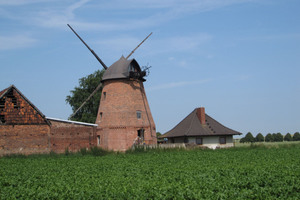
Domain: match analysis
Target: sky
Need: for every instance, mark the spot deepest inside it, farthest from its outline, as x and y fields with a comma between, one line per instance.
x=240, y=59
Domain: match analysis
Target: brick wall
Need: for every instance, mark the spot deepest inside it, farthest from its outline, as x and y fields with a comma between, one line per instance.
x=71, y=136
x=24, y=139
x=117, y=116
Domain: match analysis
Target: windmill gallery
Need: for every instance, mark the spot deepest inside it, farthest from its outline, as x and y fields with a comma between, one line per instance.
x=124, y=118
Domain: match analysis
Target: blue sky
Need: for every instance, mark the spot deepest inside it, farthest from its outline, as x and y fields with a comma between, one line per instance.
x=240, y=59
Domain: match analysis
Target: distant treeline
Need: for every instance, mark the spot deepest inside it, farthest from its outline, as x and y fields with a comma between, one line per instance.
x=275, y=137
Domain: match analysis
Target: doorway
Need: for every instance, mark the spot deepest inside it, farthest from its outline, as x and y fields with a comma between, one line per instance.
x=140, y=134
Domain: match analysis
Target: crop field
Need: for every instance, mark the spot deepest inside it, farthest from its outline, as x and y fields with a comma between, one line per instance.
x=237, y=173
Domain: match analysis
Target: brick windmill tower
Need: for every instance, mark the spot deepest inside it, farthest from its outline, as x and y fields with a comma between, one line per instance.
x=124, y=117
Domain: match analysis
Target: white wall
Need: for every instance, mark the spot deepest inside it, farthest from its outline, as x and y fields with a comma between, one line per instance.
x=212, y=142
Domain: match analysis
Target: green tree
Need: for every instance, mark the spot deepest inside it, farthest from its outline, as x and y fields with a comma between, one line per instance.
x=278, y=137
x=242, y=140
x=296, y=136
x=158, y=134
x=269, y=138
x=288, y=137
x=249, y=137
x=259, y=138
x=87, y=85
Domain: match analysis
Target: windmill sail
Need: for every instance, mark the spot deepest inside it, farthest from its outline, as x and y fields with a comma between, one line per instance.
x=92, y=94
x=91, y=50
x=138, y=46
x=104, y=66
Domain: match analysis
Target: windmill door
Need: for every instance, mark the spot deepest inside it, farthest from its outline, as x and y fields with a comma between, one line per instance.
x=140, y=134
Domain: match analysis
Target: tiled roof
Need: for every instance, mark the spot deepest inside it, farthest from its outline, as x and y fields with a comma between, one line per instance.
x=17, y=109
x=191, y=126
x=3, y=91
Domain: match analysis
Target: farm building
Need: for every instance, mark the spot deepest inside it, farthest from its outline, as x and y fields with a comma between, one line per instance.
x=201, y=129
x=25, y=129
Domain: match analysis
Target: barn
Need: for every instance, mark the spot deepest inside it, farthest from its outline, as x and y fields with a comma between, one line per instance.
x=24, y=129
x=198, y=128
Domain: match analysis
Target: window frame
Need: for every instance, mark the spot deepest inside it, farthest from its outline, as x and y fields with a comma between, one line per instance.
x=199, y=138
x=98, y=139
x=221, y=141
x=139, y=114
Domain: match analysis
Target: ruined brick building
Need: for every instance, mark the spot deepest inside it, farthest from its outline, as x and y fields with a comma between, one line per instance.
x=24, y=129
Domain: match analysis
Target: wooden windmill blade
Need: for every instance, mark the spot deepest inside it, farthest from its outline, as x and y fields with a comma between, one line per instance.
x=91, y=95
x=91, y=50
x=100, y=61
x=138, y=46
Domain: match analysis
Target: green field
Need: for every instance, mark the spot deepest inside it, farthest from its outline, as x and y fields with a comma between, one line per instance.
x=237, y=173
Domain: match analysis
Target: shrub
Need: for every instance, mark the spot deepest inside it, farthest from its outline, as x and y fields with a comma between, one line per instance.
x=67, y=152
x=259, y=138
x=97, y=151
x=288, y=137
x=296, y=136
x=278, y=137
x=249, y=137
x=242, y=140
x=269, y=138
x=83, y=151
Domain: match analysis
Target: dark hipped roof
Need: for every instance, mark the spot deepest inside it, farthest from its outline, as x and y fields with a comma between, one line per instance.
x=120, y=69
x=12, y=87
x=191, y=126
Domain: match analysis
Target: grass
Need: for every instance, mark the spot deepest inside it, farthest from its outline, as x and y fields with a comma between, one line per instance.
x=267, y=144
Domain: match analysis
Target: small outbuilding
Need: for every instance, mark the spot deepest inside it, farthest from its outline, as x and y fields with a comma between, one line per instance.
x=24, y=129
x=198, y=128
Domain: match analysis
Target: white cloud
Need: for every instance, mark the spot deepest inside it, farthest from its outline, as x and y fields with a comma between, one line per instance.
x=157, y=12
x=177, y=84
x=16, y=42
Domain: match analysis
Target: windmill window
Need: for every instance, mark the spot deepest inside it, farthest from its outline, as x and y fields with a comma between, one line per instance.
x=222, y=140
x=101, y=114
x=104, y=96
x=138, y=114
x=98, y=139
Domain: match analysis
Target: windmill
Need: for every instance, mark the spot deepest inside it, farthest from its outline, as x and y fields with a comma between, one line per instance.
x=124, y=117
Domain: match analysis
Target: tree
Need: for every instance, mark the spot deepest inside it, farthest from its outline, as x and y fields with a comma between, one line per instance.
x=259, y=138
x=242, y=140
x=249, y=137
x=87, y=85
x=278, y=137
x=288, y=137
x=269, y=138
x=158, y=134
x=296, y=136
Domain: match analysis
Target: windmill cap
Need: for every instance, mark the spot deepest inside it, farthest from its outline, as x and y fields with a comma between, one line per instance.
x=120, y=69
